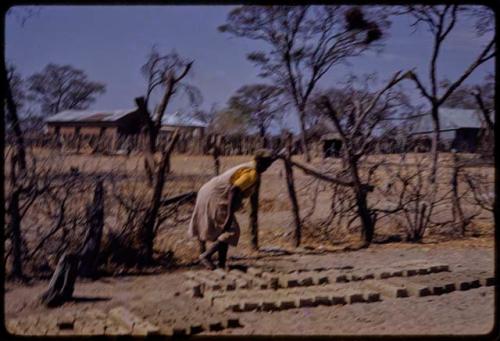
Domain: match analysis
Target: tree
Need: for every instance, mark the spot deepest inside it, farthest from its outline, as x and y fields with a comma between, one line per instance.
x=355, y=116
x=260, y=103
x=440, y=21
x=304, y=42
x=63, y=87
x=165, y=72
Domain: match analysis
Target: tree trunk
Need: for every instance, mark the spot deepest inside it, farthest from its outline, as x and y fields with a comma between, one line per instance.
x=16, y=235
x=457, y=207
x=435, y=142
x=303, y=140
x=254, y=216
x=95, y=217
x=151, y=214
x=291, y=192
x=367, y=230
x=14, y=120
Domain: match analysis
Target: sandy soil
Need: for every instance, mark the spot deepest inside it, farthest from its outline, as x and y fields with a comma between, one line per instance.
x=160, y=299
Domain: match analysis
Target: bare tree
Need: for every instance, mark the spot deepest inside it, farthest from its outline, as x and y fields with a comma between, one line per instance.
x=260, y=103
x=63, y=87
x=166, y=72
x=355, y=122
x=305, y=42
x=440, y=21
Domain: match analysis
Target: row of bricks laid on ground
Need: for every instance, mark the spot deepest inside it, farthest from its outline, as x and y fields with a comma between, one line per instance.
x=209, y=326
x=295, y=301
x=91, y=322
x=444, y=286
x=235, y=279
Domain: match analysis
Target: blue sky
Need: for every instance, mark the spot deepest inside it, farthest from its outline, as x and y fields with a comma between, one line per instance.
x=112, y=42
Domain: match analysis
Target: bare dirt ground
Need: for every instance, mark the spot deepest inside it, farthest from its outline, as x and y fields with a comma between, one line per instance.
x=164, y=302
x=161, y=302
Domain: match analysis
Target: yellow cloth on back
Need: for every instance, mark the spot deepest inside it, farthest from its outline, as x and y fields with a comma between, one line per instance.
x=244, y=178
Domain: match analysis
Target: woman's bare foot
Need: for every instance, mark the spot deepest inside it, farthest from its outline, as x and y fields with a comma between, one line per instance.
x=207, y=263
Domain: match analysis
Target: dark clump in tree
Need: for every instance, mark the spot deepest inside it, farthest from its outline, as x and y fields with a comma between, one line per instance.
x=304, y=42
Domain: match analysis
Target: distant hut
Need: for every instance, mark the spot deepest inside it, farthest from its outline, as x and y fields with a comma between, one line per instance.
x=324, y=138
x=94, y=127
x=191, y=130
x=460, y=129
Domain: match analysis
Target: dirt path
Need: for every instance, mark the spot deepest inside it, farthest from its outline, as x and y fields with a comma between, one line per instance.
x=162, y=303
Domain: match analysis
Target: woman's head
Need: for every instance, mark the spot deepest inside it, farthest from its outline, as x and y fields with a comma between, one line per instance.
x=263, y=159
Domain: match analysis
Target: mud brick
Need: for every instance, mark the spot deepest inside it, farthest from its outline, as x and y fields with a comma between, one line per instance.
x=397, y=273
x=66, y=321
x=372, y=297
x=355, y=298
x=321, y=279
x=322, y=300
x=356, y=277
x=291, y=283
x=195, y=329
x=369, y=276
x=233, y=322
x=114, y=330
x=342, y=279
x=308, y=281
x=210, y=284
x=384, y=275
x=249, y=306
x=194, y=288
x=215, y=326
x=411, y=272
x=305, y=302
x=338, y=299
x=274, y=283
x=319, y=269
x=242, y=284
x=254, y=272
x=268, y=305
x=147, y=327
x=286, y=304
x=179, y=330
x=387, y=289
x=487, y=282
x=424, y=271
x=418, y=290
x=475, y=283
x=465, y=285
x=231, y=285
x=262, y=285
x=438, y=290
x=235, y=307
x=450, y=287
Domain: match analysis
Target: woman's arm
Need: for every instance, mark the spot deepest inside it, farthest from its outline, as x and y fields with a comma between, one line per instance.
x=234, y=200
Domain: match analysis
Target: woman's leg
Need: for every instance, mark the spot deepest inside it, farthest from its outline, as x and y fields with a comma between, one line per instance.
x=223, y=247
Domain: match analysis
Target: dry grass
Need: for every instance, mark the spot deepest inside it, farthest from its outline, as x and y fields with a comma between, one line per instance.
x=190, y=172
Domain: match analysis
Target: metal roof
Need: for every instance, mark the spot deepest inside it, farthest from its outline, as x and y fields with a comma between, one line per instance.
x=449, y=119
x=178, y=119
x=89, y=115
